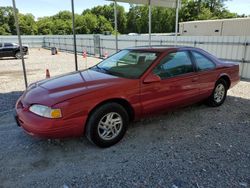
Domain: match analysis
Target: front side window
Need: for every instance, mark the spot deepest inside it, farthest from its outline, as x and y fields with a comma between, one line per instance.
x=174, y=64
x=127, y=63
x=8, y=45
x=202, y=63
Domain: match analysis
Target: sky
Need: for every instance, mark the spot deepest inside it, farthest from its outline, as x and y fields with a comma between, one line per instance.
x=40, y=8
x=239, y=6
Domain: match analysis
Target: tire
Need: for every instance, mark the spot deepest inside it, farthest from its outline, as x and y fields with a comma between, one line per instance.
x=219, y=94
x=107, y=125
x=18, y=55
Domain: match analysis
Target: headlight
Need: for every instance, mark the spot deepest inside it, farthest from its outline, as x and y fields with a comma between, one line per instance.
x=45, y=111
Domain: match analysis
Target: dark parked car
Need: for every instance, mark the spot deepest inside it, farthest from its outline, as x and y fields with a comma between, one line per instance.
x=12, y=50
x=131, y=84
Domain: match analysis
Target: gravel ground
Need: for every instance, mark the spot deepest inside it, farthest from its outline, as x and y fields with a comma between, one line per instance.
x=196, y=146
x=36, y=63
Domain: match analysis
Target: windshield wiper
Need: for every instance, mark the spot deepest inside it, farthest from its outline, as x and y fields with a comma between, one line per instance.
x=99, y=68
x=109, y=71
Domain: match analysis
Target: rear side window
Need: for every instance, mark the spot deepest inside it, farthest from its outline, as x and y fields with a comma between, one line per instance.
x=8, y=45
x=174, y=64
x=202, y=62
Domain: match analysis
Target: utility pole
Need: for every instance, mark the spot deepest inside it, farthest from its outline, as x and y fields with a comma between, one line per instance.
x=20, y=42
x=74, y=34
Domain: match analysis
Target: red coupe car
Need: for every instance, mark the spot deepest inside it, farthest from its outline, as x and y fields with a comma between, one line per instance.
x=133, y=83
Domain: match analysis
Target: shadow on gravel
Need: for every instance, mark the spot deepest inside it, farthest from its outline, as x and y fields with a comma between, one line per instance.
x=11, y=58
x=245, y=79
x=8, y=101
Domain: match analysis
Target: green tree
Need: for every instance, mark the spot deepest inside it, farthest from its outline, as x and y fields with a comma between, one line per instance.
x=59, y=24
x=103, y=25
x=7, y=21
x=189, y=10
x=27, y=24
x=137, y=19
x=226, y=14
x=213, y=5
x=132, y=15
x=62, y=27
x=5, y=29
x=101, y=18
x=86, y=24
x=62, y=23
x=204, y=10
x=44, y=26
x=108, y=12
x=63, y=15
x=81, y=25
x=89, y=23
x=163, y=19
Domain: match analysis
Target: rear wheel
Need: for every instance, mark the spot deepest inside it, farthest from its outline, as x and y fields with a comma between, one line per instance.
x=219, y=94
x=107, y=125
x=18, y=55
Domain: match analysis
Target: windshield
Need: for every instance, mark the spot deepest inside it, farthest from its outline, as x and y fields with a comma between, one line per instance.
x=127, y=63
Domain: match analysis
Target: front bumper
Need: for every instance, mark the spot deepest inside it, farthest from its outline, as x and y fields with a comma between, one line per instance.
x=37, y=126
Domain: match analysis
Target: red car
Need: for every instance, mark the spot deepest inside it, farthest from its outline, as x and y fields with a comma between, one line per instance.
x=133, y=83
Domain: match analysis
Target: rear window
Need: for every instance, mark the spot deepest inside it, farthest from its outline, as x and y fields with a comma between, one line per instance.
x=202, y=62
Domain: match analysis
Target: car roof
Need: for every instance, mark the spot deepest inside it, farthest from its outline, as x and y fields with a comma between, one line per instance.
x=161, y=48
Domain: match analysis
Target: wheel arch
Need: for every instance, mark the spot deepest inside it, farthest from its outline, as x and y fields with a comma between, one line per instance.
x=123, y=102
x=226, y=78
x=16, y=50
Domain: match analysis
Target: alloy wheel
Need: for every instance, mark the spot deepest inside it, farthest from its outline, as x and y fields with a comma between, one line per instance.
x=110, y=126
x=219, y=93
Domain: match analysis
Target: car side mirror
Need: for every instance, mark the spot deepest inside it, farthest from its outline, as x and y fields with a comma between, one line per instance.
x=151, y=78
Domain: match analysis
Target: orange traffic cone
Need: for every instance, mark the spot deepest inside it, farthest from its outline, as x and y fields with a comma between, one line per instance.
x=47, y=73
x=106, y=55
x=84, y=54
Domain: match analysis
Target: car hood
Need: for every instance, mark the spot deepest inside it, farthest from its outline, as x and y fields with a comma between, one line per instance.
x=58, y=89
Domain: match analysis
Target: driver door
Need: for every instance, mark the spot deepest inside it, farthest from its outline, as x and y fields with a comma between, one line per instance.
x=8, y=50
x=178, y=86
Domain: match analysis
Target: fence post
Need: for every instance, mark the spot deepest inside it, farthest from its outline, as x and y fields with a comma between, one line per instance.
x=102, y=48
x=44, y=44
x=244, y=58
x=97, y=48
x=89, y=46
x=195, y=43
x=59, y=43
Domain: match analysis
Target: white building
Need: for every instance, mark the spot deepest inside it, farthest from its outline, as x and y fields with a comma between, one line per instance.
x=222, y=27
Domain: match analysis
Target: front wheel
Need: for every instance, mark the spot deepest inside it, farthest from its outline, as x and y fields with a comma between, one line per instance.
x=107, y=125
x=219, y=94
